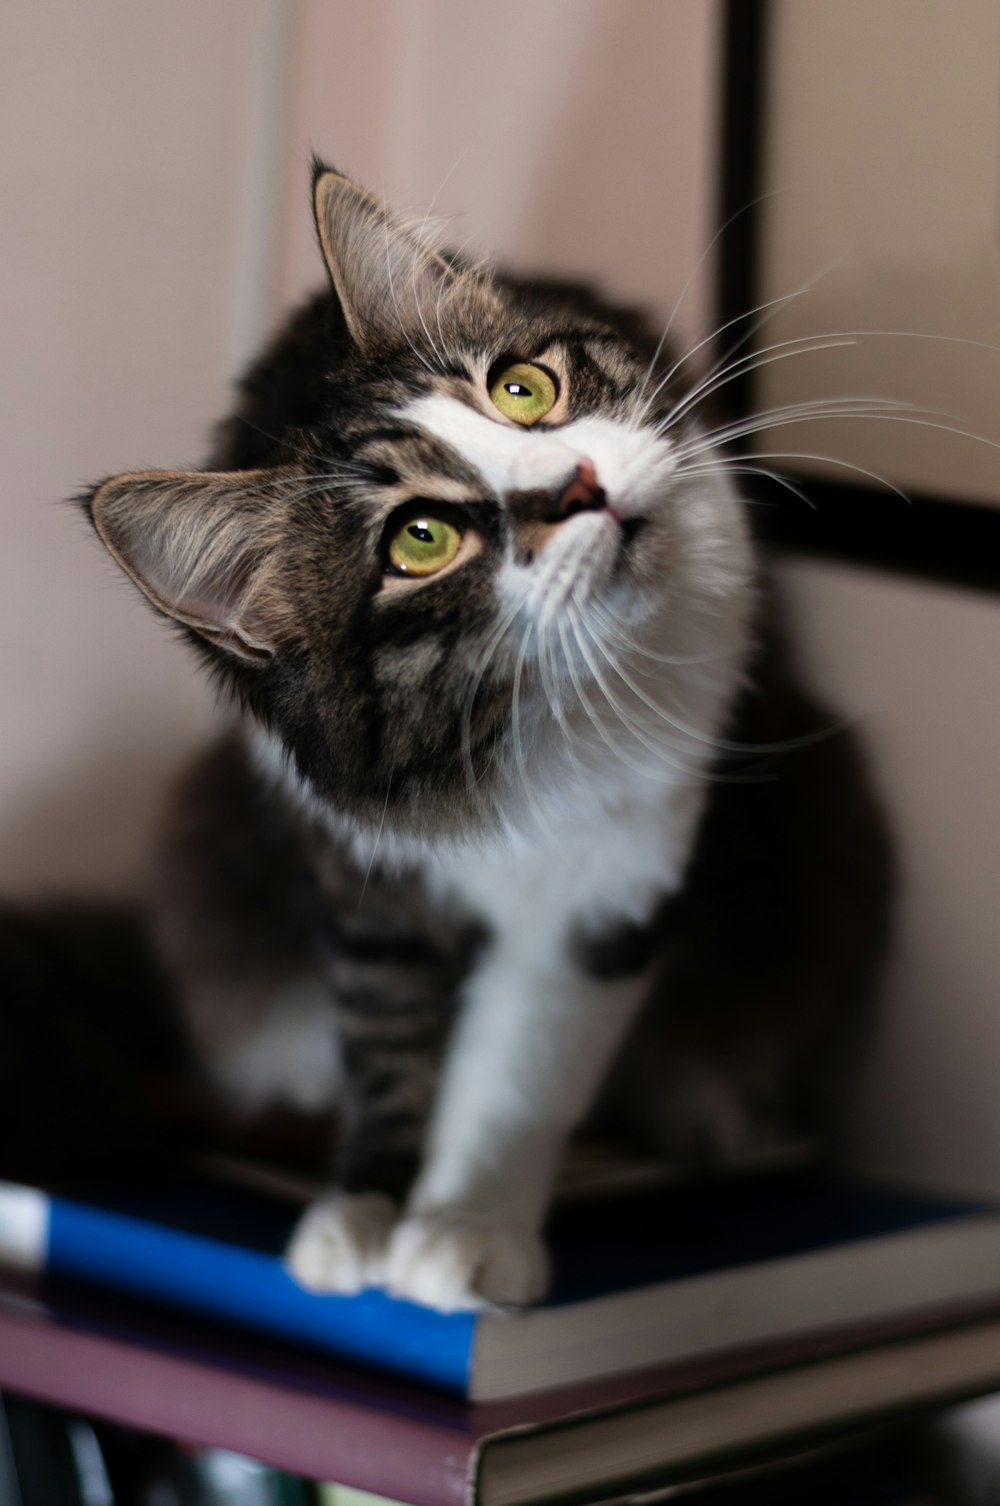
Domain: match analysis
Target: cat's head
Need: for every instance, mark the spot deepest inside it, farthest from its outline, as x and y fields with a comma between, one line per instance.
x=456, y=511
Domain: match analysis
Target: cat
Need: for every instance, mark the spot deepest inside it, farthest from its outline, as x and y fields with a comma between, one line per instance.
x=525, y=821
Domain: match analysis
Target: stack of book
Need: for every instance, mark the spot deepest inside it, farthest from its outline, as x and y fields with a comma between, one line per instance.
x=691, y=1332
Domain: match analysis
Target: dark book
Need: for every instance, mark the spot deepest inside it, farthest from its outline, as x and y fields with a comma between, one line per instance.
x=690, y=1331
x=327, y=1421
x=641, y=1281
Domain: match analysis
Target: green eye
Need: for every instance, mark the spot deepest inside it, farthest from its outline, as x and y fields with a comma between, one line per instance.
x=523, y=392
x=423, y=546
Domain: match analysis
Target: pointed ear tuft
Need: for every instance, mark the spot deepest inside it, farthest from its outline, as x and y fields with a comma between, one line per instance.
x=388, y=279
x=203, y=546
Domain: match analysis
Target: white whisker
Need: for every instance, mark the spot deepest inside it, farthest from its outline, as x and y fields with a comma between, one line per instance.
x=645, y=736
x=592, y=716
x=630, y=645
x=479, y=668
x=378, y=838
x=773, y=304
x=751, y=204
x=722, y=461
x=395, y=301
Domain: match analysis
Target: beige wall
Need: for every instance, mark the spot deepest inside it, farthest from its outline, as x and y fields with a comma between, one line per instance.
x=583, y=143
x=156, y=222
x=914, y=666
x=883, y=176
x=883, y=151
x=123, y=131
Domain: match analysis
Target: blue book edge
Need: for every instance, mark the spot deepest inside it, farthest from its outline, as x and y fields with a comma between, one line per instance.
x=216, y=1254
x=252, y=1289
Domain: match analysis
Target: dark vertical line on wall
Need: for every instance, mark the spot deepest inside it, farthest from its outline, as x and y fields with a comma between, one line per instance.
x=743, y=66
x=945, y=540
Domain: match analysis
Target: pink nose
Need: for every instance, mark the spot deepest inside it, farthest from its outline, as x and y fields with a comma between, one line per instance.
x=583, y=494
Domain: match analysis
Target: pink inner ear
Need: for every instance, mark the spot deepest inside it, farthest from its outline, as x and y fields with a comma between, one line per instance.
x=201, y=547
x=385, y=276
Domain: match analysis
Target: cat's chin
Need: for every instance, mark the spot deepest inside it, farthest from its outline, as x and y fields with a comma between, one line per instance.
x=591, y=558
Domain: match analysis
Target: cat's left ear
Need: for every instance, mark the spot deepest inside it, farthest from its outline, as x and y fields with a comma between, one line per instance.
x=388, y=280
x=204, y=548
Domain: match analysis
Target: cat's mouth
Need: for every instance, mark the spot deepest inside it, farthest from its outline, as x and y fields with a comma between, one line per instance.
x=586, y=555
x=630, y=530
x=629, y=527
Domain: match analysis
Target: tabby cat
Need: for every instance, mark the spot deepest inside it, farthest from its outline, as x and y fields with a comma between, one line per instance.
x=523, y=822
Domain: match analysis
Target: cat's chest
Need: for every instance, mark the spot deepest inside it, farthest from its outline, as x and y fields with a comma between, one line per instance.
x=611, y=863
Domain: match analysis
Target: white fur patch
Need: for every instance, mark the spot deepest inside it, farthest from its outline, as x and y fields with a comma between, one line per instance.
x=601, y=786
x=466, y=1259
x=632, y=465
x=340, y=1242
x=600, y=859
x=291, y=1056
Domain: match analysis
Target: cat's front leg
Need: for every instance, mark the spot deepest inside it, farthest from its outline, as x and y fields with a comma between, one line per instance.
x=530, y=1048
x=391, y=1019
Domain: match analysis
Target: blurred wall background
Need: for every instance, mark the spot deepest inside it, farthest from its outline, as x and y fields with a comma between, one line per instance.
x=155, y=183
x=155, y=225
x=882, y=173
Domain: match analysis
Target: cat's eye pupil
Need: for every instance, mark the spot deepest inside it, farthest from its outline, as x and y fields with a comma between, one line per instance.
x=423, y=546
x=522, y=391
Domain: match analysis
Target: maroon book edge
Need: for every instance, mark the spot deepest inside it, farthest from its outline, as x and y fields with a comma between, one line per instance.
x=328, y=1421
x=303, y=1430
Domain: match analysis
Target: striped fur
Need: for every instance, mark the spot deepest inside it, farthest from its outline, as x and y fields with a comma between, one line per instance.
x=466, y=846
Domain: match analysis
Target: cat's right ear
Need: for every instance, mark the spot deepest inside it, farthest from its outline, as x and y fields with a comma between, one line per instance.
x=388, y=279
x=203, y=546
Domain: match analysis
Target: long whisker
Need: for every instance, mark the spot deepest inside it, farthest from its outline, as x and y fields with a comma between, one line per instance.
x=520, y=762
x=927, y=423
x=615, y=629
x=395, y=302
x=728, y=464
x=378, y=838
x=279, y=439
x=833, y=407
x=744, y=208
x=645, y=736
x=720, y=744
x=782, y=350
x=445, y=286
x=848, y=465
x=515, y=704
x=635, y=733
x=476, y=675
x=787, y=413
x=548, y=678
x=584, y=701
x=767, y=310
x=438, y=350
x=804, y=344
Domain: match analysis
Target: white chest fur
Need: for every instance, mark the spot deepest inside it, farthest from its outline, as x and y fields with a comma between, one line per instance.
x=583, y=862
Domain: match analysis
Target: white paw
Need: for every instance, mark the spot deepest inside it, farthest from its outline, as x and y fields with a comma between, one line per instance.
x=339, y=1244
x=459, y=1258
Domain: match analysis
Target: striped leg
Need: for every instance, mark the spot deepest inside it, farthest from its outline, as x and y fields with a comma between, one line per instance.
x=393, y=996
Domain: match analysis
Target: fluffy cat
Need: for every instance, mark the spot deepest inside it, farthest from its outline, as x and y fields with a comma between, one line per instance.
x=504, y=839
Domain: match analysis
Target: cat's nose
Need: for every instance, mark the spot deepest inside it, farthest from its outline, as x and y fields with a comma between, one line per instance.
x=583, y=493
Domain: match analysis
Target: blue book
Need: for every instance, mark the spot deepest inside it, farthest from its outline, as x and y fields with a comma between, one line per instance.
x=642, y=1281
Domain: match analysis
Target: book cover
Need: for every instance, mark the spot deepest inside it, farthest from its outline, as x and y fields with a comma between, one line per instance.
x=311, y=1416
x=641, y=1281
